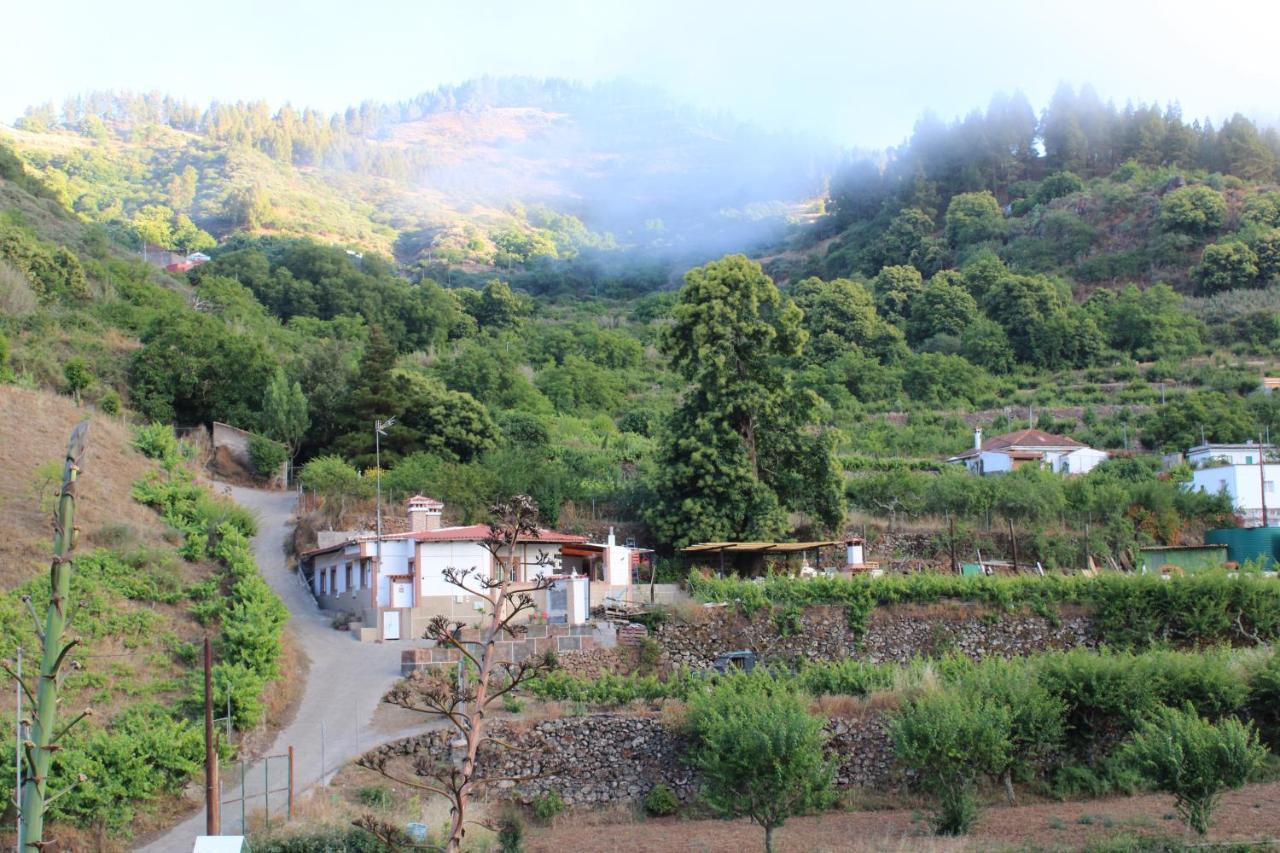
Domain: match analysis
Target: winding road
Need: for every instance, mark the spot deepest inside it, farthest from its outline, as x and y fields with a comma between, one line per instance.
x=343, y=687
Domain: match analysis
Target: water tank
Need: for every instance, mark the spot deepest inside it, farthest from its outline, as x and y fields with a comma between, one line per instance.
x=1248, y=543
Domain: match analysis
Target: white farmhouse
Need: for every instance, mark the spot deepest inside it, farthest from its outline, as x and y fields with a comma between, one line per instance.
x=398, y=588
x=1013, y=450
x=1246, y=472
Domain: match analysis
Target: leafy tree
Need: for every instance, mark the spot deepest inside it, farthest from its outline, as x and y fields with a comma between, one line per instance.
x=266, y=455
x=1183, y=421
x=939, y=380
x=77, y=376
x=1226, y=266
x=1022, y=305
x=336, y=482
x=1266, y=247
x=984, y=343
x=1149, y=324
x=943, y=307
x=192, y=369
x=973, y=218
x=1194, y=759
x=1058, y=185
x=896, y=288
x=760, y=753
x=839, y=314
x=949, y=741
x=1261, y=209
x=1194, y=210
x=728, y=463
x=284, y=412
x=153, y=224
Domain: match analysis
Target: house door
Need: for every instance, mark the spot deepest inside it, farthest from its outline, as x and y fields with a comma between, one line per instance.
x=402, y=593
x=391, y=625
x=558, y=601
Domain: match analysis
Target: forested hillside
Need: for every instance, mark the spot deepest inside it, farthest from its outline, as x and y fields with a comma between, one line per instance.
x=944, y=289
x=501, y=172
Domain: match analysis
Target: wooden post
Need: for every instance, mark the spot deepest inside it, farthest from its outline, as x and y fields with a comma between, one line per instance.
x=290, y=783
x=212, y=820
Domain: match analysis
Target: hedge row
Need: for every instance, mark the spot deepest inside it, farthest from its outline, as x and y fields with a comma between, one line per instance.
x=251, y=614
x=1129, y=611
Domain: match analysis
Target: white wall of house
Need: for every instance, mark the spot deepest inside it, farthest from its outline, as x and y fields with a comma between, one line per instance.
x=1244, y=485
x=1234, y=454
x=1080, y=461
x=435, y=557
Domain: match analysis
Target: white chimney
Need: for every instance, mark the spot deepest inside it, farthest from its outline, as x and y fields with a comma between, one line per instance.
x=612, y=540
x=977, y=438
x=853, y=553
x=424, y=513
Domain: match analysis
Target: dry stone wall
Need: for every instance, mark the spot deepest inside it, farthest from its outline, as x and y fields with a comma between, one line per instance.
x=600, y=759
x=893, y=634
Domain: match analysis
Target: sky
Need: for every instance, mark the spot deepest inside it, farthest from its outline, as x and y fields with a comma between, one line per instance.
x=853, y=73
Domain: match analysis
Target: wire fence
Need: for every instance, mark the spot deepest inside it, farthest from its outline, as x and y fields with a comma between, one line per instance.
x=247, y=789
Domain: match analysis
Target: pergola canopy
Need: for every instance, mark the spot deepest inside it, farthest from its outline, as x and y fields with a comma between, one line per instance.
x=760, y=547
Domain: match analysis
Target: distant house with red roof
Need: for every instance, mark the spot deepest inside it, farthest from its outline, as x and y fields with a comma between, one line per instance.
x=399, y=587
x=1008, y=452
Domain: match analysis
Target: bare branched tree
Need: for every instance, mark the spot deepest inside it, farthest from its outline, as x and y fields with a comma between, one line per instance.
x=462, y=702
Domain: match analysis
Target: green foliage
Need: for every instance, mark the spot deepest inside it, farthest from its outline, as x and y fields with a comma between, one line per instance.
x=973, y=218
x=110, y=402
x=949, y=741
x=510, y=831
x=1194, y=759
x=326, y=840
x=77, y=376
x=376, y=796
x=1193, y=210
x=1128, y=610
x=1226, y=266
x=266, y=455
x=737, y=452
x=144, y=752
x=661, y=801
x=284, y=412
x=1184, y=421
x=760, y=753
x=157, y=441
x=548, y=806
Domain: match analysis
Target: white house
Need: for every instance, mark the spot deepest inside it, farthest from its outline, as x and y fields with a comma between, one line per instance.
x=398, y=588
x=1244, y=471
x=1003, y=453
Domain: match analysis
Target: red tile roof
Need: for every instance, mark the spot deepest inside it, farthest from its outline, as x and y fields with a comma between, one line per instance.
x=464, y=533
x=1023, y=438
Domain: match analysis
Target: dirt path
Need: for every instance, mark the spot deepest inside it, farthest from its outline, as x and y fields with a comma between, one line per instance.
x=344, y=684
x=1247, y=815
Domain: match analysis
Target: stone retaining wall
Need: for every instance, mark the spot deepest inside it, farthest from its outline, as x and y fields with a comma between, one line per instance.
x=894, y=634
x=598, y=759
x=535, y=640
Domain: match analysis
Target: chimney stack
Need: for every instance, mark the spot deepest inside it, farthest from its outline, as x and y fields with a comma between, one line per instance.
x=612, y=540
x=424, y=513
x=977, y=438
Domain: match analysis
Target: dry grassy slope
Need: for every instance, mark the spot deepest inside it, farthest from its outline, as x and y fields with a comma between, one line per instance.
x=34, y=427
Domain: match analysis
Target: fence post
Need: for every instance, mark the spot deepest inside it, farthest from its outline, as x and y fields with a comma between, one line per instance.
x=266, y=789
x=290, y=783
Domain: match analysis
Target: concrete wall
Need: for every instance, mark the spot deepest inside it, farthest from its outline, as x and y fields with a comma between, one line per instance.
x=536, y=640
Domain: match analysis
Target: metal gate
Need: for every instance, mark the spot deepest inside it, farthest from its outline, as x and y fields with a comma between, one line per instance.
x=246, y=792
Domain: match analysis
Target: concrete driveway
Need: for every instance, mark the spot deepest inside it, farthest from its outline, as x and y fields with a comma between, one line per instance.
x=346, y=681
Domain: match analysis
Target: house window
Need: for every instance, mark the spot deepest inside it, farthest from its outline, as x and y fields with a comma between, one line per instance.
x=1222, y=485
x=1269, y=486
x=333, y=580
x=346, y=577
x=1248, y=460
x=320, y=580
x=365, y=580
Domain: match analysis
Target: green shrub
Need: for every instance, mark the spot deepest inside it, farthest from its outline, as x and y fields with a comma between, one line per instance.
x=266, y=455
x=547, y=806
x=1193, y=210
x=376, y=797
x=661, y=801
x=1183, y=754
x=950, y=741
x=110, y=403
x=156, y=441
x=510, y=831
x=760, y=752
x=1264, y=699
x=328, y=840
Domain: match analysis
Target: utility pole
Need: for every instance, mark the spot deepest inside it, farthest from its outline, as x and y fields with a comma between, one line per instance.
x=19, y=738
x=1262, y=477
x=212, y=819
x=379, y=430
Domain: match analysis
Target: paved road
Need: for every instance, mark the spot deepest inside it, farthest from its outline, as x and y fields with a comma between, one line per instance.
x=345, y=683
